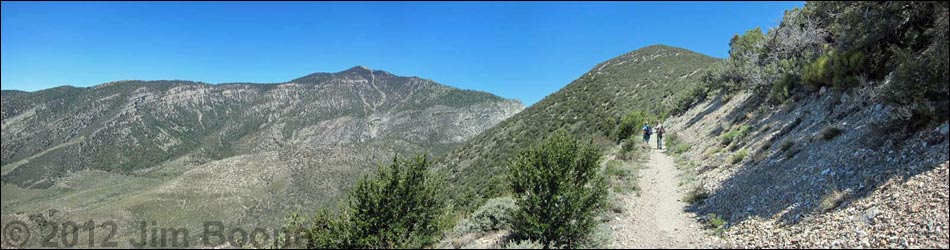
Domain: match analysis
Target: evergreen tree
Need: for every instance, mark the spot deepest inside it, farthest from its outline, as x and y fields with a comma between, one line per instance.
x=558, y=190
x=399, y=207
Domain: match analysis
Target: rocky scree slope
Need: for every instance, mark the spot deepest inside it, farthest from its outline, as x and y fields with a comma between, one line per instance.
x=818, y=172
x=823, y=127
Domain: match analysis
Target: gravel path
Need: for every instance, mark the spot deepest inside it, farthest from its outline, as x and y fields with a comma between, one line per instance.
x=656, y=218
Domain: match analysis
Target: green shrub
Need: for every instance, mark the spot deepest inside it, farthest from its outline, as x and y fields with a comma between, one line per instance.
x=494, y=215
x=609, y=126
x=696, y=195
x=689, y=98
x=524, y=244
x=615, y=168
x=630, y=145
x=558, y=189
x=293, y=235
x=918, y=90
x=680, y=148
x=630, y=125
x=847, y=68
x=814, y=74
x=614, y=204
x=830, y=132
x=674, y=144
x=835, y=69
x=786, y=145
x=327, y=231
x=712, y=150
x=842, y=45
x=622, y=178
x=781, y=90
x=735, y=134
x=748, y=43
x=761, y=154
x=733, y=147
x=767, y=144
x=739, y=156
x=792, y=152
x=600, y=238
x=632, y=149
x=716, y=223
x=399, y=207
x=832, y=200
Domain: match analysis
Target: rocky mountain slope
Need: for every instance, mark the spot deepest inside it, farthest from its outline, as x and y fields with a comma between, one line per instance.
x=182, y=152
x=828, y=131
x=651, y=78
x=819, y=173
x=825, y=135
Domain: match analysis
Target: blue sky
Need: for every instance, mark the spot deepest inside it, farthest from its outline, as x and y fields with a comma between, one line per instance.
x=520, y=50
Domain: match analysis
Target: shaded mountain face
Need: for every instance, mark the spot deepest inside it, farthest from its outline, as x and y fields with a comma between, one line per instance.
x=650, y=78
x=351, y=119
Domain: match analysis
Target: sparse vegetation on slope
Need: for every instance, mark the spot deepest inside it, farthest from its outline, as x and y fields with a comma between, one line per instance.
x=898, y=47
x=239, y=153
x=674, y=144
x=735, y=135
x=128, y=126
x=648, y=80
x=495, y=214
x=738, y=156
x=830, y=132
x=622, y=176
x=845, y=102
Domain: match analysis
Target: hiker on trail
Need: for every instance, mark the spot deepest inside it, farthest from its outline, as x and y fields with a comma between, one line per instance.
x=659, y=135
x=646, y=132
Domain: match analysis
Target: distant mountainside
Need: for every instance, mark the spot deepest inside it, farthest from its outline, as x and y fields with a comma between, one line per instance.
x=135, y=125
x=239, y=148
x=651, y=78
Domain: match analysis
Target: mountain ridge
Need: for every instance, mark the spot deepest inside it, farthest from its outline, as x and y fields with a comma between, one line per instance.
x=157, y=101
x=585, y=106
x=359, y=70
x=181, y=152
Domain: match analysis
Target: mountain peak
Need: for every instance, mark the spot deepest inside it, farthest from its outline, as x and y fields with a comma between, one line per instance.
x=661, y=48
x=358, y=69
x=653, y=52
x=363, y=71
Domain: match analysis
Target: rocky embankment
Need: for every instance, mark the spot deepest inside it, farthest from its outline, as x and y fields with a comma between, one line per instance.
x=821, y=172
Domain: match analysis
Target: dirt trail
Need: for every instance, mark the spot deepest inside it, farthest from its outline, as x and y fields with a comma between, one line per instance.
x=656, y=218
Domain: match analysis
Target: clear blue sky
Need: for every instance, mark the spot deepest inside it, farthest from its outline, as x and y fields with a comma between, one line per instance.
x=520, y=50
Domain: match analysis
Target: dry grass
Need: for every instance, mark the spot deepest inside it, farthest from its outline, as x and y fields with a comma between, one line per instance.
x=833, y=200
